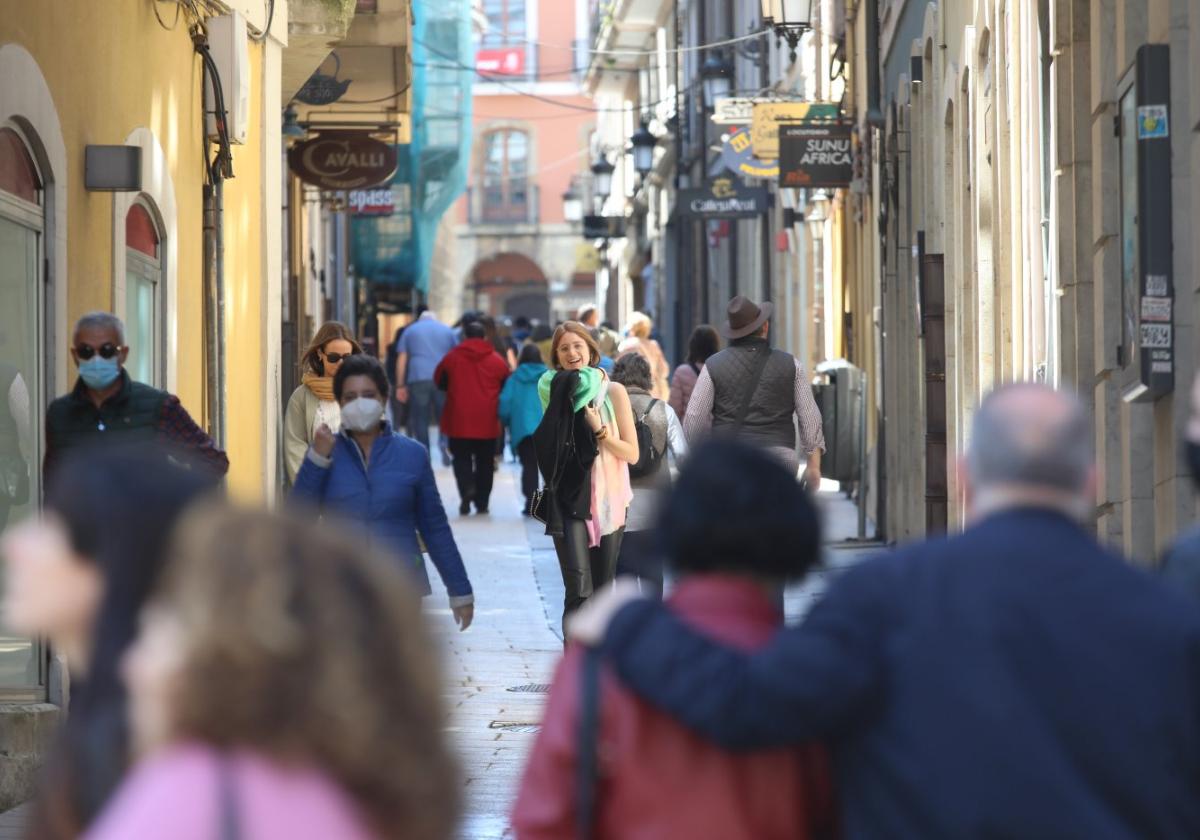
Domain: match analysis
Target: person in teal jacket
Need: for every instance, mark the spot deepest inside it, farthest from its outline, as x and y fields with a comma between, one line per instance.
x=521, y=412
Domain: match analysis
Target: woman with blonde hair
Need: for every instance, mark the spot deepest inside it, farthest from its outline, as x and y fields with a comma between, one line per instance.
x=283, y=686
x=585, y=444
x=312, y=404
x=638, y=340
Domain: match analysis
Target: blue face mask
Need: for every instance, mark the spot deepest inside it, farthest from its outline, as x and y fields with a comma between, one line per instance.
x=98, y=373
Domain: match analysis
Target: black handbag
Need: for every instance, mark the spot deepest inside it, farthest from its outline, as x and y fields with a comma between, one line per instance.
x=538, y=506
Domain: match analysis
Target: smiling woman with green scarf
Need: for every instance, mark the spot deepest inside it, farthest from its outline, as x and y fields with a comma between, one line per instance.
x=588, y=522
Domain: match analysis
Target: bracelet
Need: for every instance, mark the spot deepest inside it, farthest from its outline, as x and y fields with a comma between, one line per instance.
x=603, y=433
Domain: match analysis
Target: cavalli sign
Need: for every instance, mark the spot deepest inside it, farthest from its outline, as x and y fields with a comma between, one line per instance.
x=342, y=160
x=724, y=198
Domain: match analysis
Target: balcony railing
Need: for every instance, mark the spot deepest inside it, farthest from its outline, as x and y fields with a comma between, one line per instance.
x=516, y=205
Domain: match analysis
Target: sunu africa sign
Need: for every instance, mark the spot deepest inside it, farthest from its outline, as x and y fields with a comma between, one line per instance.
x=815, y=156
x=343, y=160
x=724, y=198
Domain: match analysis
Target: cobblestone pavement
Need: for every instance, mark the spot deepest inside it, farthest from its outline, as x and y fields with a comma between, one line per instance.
x=496, y=672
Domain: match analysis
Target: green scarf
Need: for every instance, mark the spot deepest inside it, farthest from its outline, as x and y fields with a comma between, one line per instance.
x=590, y=381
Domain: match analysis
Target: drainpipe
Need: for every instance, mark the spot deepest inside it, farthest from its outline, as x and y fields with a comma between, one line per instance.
x=214, y=245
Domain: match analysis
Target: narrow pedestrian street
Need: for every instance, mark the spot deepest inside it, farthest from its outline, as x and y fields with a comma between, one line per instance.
x=498, y=671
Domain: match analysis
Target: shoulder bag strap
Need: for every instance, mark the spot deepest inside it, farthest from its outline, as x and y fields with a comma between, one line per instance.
x=230, y=824
x=649, y=408
x=753, y=389
x=587, y=769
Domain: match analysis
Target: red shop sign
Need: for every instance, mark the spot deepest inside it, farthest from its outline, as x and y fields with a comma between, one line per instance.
x=343, y=160
x=505, y=62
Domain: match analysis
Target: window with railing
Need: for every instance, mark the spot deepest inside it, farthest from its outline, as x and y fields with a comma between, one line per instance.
x=506, y=24
x=506, y=194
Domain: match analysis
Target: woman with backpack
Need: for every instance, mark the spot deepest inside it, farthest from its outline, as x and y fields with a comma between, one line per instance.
x=659, y=432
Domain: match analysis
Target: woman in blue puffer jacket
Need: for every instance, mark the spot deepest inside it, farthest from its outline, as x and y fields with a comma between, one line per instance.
x=371, y=476
x=521, y=412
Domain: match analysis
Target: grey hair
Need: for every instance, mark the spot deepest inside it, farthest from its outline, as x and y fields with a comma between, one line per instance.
x=101, y=320
x=633, y=371
x=1017, y=444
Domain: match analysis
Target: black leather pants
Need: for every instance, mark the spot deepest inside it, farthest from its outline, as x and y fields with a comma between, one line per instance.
x=584, y=569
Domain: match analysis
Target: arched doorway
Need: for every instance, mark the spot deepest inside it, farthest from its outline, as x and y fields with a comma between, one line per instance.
x=511, y=285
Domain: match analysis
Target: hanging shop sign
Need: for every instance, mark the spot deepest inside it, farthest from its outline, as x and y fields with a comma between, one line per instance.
x=768, y=116
x=506, y=62
x=343, y=160
x=603, y=227
x=738, y=156
x=724, y=197
x=735, y=110
x=376, y=202
x=815, y=156
x=323, y=88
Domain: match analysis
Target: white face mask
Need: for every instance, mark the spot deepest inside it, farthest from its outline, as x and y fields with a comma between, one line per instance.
x=362, y=414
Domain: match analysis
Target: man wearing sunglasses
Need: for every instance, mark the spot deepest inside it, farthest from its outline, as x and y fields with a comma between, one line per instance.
x=106, y=405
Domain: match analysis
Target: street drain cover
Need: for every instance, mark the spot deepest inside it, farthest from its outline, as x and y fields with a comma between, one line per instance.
x=531, y=688
x=510, y=726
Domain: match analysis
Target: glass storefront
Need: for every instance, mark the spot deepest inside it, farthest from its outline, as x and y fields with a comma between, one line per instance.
x=22, y=224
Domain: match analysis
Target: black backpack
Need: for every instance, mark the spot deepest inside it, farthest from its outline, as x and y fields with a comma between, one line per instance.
x=649, y=459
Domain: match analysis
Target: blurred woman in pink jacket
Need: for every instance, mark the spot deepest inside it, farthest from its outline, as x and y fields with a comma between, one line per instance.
x=703, y=343
x=282, y=687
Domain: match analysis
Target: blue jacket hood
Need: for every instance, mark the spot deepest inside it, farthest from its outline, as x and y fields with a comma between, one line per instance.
x=529, y=373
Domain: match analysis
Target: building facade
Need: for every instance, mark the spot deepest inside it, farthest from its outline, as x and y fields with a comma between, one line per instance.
x=510, y=250
x=1025, y=214
x=68, y=247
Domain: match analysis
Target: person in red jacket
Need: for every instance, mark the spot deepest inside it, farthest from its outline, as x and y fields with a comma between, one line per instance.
x=472, y=375
x=734, y=527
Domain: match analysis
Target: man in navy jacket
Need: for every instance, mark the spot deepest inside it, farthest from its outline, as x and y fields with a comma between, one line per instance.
x=1017, y=680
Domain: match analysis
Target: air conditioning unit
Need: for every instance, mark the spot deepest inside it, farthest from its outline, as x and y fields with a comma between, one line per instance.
x=230, y=48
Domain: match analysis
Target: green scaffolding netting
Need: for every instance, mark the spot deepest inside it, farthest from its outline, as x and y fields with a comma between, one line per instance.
x=432, y=172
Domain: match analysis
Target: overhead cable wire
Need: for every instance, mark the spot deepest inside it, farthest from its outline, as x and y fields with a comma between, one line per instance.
x=644, y=53
x=499, y=80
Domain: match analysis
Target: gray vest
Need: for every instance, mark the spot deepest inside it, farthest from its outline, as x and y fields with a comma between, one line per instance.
x=769, y=420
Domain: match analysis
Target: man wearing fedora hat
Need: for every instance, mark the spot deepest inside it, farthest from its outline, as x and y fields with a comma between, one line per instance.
x=752, y=392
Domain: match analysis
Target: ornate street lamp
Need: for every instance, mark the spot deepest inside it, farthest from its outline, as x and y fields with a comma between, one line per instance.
x=602, y=175
x=291, y=123
x=643, y=143
x=572, y=203
x=816, y=212
x=717, y=73
x=790, y=19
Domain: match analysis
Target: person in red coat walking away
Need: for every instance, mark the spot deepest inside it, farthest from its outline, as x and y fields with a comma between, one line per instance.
x=735, y=526
x=472, y=375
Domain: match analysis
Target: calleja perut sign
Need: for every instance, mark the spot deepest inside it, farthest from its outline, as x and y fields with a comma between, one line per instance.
x=343, y=160
x=724, y=197
x=815, y=156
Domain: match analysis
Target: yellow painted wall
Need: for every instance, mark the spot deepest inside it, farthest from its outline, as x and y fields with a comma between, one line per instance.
x=112, y=68
x=245, y=356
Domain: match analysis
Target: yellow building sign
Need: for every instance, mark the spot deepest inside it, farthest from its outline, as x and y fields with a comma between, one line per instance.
x=764, y=127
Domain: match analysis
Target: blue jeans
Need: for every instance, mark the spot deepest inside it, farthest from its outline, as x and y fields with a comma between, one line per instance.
x=424, y=399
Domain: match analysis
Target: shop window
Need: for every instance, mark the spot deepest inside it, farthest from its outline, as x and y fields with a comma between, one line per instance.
x=143, y=295
x=506, y=189
x=22, y=232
